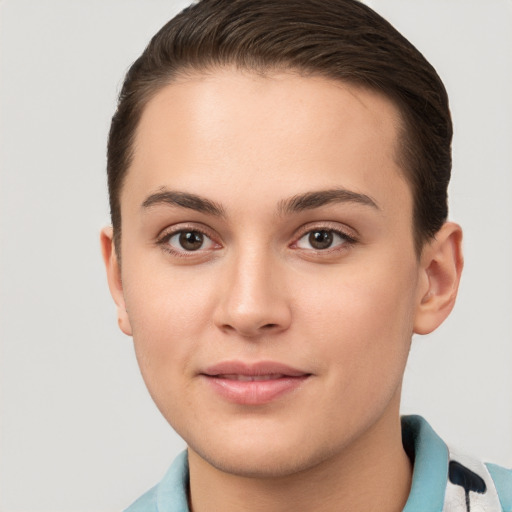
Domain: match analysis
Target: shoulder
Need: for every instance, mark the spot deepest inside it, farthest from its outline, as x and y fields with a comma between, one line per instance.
x=502, y=479
x=448, y=481
x=170, y=495
x=146, y=503
x=486, y=486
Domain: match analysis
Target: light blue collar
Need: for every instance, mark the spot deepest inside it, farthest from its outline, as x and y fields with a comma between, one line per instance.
x=430, y=457
x=173, y=489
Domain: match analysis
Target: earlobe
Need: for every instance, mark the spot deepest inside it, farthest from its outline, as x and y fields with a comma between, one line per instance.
x=114, y=278
x=441, y=267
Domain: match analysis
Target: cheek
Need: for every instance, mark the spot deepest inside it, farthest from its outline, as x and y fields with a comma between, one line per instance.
x=168, y=313
x=362, y=321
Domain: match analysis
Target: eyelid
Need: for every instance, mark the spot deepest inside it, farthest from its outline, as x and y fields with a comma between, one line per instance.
x=184, y=226
x=350, y=234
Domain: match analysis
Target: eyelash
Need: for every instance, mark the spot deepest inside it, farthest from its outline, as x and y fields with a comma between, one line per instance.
x=349, y=240
x=163, y=241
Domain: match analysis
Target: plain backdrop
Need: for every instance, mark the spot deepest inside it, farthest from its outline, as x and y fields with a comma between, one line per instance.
x=78, y=429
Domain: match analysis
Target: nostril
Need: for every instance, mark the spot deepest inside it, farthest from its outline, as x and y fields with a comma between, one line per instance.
x=250, y=331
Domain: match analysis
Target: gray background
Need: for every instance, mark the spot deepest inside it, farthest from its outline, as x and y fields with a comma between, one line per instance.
x=78, y=429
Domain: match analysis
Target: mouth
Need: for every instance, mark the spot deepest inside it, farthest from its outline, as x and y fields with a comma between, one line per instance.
x=253, y=384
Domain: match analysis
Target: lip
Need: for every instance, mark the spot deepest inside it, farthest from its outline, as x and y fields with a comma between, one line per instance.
x=253, y=383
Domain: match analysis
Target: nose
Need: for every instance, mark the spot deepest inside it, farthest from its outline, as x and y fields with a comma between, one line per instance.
x=253, y=300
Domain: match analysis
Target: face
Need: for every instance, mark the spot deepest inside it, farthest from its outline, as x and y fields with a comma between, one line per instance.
x=268, y=266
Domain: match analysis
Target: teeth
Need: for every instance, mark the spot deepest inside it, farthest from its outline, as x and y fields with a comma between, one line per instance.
x=249, y=378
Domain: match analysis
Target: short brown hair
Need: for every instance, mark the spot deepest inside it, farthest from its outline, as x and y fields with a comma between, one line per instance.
x=339, y=39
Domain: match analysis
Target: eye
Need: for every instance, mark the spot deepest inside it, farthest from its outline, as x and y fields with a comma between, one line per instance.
x=188, y=240
x=321, y=239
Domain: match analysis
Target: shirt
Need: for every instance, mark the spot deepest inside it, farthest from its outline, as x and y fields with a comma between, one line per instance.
x=442, y=480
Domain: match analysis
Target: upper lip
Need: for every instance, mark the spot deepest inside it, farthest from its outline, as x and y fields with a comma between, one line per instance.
x=253, y=369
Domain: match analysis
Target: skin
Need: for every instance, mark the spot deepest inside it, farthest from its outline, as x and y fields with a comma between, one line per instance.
x=257, y=289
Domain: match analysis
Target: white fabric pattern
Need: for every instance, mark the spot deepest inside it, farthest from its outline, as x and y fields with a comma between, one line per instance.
x=455, y=497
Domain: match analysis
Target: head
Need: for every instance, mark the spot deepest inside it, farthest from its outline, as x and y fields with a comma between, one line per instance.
x=277, y=177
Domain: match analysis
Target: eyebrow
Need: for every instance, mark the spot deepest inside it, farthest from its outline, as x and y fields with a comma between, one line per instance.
x=316, y=199
x=184, y=200
x=295, y=204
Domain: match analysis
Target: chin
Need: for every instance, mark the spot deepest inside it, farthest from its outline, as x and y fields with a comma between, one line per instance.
x=260, y=454
x=268, y=462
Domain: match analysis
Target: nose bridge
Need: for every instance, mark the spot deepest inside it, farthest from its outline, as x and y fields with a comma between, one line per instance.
x=254, y=299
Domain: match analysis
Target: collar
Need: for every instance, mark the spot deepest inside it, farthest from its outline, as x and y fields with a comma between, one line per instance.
x=430, y=458
x=173, y=489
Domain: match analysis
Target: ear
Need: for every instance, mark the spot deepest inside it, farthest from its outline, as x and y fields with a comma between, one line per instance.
x=441, y=267
x=114, y=278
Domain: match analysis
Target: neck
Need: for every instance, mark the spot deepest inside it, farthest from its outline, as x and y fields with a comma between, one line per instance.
x=372, y=473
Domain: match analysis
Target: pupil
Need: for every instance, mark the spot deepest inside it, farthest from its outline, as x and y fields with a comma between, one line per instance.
x=320, y=239
x=191, y=240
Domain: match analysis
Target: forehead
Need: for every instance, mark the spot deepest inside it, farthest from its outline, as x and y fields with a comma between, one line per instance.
x=230, y=128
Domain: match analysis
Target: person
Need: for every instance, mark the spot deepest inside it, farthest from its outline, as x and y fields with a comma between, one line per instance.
x=278, y=176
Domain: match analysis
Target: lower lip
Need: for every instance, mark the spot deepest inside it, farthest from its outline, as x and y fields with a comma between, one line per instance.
x=256, y=392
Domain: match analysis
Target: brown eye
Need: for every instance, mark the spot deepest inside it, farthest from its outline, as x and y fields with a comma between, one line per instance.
x=188, y=240
x=321, y=239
